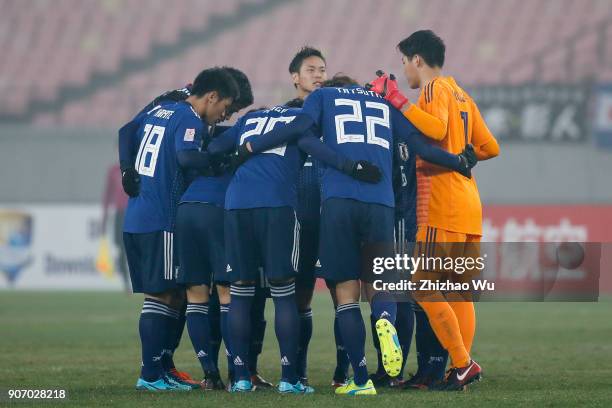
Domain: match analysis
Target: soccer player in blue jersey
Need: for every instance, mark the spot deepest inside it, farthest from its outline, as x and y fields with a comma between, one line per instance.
x=308, y=71
x=151, y=160
x=200, y=245
x=261, y=229
x=355, y=216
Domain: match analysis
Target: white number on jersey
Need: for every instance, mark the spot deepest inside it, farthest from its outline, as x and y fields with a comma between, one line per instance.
x=150, y=145
x=357, y=116
x=262, y=128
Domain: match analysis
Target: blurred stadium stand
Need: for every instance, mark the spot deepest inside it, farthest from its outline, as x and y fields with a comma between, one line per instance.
x=73, y=71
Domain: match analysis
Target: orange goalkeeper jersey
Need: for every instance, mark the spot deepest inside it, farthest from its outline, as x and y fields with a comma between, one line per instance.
x=446, y=199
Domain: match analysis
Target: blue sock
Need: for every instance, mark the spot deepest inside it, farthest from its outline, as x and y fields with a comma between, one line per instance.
x=380, y=369
x=258, y=329
x=420, y=338
x=240, y=328
x=353, y=336
x=152, y=328
x=287, y=328
x=214, y=320
x=198, y=327
x=224, y=312
x=342, y=360
x=175, y=332
x=168, y=350
x=383, y=305
x=405, y=327
x=430, y=355
x=304, y=341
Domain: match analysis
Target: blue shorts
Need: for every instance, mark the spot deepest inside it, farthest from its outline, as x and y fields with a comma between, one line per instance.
x=262, y=236
x=200, y=244
x=405, y=234
x=352, y=234
x=309, y=253
x=151, y=259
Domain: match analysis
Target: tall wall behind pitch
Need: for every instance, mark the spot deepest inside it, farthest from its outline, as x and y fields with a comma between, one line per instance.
x=54, y=165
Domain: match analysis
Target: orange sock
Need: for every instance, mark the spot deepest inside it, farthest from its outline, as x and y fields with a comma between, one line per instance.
x=467, y=321
x=446, y=327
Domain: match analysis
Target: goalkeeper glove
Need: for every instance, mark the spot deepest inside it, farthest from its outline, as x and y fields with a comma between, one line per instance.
x=467, y=161
x=386, y=86
x=130, y=180
x=362, y=170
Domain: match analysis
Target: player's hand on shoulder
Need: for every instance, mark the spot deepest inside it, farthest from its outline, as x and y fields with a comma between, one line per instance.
x=467, y=160
x=386, y=86
x=363, y=170
x=130, y=180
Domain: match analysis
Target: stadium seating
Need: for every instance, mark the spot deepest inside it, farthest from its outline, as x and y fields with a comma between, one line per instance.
x=70, y=41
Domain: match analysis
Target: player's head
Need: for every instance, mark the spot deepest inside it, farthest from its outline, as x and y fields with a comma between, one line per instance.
x=245, y=97
x=294, y=103
x=339, y=80
x=422, y=50
x=213, y=92
x=308, y=70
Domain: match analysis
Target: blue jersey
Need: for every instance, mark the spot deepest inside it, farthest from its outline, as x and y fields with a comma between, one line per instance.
x=267, y=179
x=162, y=131
x=357, y=124
x=309, y=192
x=404, y=188
x=208, y=189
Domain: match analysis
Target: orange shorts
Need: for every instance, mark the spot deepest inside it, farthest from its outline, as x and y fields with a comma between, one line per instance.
x=446, y=254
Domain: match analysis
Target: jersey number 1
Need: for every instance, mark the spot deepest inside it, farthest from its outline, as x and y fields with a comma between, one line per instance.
x=464, y=117
x=150, y=145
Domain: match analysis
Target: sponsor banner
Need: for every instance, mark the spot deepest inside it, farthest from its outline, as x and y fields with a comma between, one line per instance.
x=52, y=247
x=535, y=112
x=60, y=246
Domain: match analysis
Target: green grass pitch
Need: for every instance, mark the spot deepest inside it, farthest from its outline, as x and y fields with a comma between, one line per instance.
x=533, y=354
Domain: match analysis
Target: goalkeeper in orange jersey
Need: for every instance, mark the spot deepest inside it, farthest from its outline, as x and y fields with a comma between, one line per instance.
x=449, y=213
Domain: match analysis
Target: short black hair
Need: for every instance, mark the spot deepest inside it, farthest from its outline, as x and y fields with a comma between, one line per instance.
x=340, y=80
x=244, y=88
x=294, y=103
x=215, y=79
x=303, y=53
x=427, y=45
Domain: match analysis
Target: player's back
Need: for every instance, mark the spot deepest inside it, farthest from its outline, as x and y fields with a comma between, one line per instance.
x=161, y=181
x=355, y=123
x=446, y=199
x=267, y=179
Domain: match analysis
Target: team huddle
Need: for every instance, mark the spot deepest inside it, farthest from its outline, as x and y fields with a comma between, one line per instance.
x=222, y=217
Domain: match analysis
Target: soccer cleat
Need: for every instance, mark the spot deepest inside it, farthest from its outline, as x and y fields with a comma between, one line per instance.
x=212, y=382
x=458, y=378
x=389, y=347
x=259, y=381
x=179, y=384
x=183, y=377
x=242, y=386
x=338, y=382
x=353, y=389
x=285, y=387
x=380, y=379
x=157, y=385
x=175, y=378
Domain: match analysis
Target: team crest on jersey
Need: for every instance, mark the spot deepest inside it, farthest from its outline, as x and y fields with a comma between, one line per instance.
x=403, y=151
x=189, y=135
